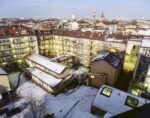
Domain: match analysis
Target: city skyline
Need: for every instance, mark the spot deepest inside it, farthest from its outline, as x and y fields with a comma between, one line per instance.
x=135, y=9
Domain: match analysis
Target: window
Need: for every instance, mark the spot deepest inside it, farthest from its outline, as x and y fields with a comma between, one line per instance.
x=106, y=91
x=131, y=102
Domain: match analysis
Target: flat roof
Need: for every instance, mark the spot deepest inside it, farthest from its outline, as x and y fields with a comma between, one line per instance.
x=2, y=72
x=48, y=79
x=82, y=114
x=47, y=63
x=115, y=103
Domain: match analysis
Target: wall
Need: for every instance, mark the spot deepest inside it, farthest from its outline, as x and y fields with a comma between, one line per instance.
x=4, y=84
x=104, y=67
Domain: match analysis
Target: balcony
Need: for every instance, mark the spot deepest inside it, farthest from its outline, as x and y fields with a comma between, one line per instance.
x=20, y=47
x=31, y=40
x=6, y=43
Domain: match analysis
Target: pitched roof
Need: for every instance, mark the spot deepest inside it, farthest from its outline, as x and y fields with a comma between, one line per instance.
x=46, y=78
x=47, y=63
x=109, y=58
x=79, y=34
x=15, y=31
x=110, y=22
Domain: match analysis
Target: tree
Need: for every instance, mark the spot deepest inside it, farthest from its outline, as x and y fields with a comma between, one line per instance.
x=37, y=106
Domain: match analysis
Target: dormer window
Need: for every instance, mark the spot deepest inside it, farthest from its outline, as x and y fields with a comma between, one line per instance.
x=106, y=91
x=131, y=102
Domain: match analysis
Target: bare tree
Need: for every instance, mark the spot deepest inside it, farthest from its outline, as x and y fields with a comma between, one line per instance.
x=37, y=106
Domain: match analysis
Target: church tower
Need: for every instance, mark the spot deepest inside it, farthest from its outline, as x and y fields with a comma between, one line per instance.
x=102, y=18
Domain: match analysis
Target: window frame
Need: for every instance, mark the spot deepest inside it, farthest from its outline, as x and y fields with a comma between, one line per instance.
x=127, y=104
x=102, y=92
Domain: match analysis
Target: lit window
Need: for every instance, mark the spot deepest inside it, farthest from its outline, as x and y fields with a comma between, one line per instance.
x=131, y=102
x=106, y=91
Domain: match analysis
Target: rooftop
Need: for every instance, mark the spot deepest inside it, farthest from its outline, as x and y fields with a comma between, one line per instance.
x=61, y=58
x=79, y=34
x=15, y=31
x=109, y=58
x=115, y=103
x=47, y=63
x=48, y=79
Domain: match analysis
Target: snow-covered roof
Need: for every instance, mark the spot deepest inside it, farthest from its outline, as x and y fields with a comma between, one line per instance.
x=48, y=79
x=47, y=63
x=109, y=58
x=101, y=56
x=61, y=58
x=2, y=72
x=146, y=43
x=115, y=102
x=80, y=114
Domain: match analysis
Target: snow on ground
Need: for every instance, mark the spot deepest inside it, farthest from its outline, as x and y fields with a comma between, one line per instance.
x=79, y=114
x=63, y=105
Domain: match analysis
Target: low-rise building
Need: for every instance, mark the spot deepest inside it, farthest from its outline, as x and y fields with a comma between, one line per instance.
x=110, y=101
x=105, y=68
x=56, y=69
x=48, y=82
x=56, y=73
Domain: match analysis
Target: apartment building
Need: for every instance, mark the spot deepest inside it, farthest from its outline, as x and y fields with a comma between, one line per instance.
x=142, y=70
x=83, y=45
x=15, y=43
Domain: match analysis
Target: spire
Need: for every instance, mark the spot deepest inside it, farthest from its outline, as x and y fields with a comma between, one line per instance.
x=102, y=17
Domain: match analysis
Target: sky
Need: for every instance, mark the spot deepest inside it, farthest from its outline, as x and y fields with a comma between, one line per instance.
x=129, y=9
